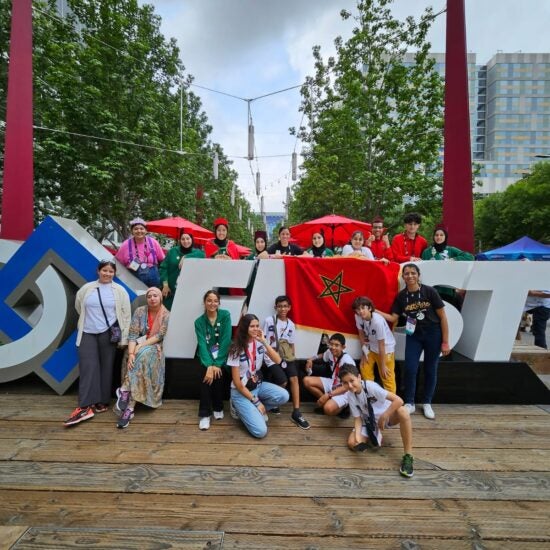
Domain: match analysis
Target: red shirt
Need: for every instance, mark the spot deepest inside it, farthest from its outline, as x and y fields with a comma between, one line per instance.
x=381, y=250
x=404, y=248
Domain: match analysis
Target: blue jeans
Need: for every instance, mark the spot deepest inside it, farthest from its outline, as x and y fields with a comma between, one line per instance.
x=269, y=394
x=429, y=341
x=149, y=276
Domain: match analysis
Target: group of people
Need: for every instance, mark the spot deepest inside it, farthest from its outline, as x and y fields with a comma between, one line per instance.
x=260, y=362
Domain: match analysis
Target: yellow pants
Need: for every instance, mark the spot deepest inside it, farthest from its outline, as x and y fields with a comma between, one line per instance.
x=367, y=369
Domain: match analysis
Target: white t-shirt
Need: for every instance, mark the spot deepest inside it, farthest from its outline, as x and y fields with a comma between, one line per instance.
x=374, y=330
x=243, y=361
x=365, y=251
x=536, y=301
x=286, y=330
x=359, y=407
x=336, y=365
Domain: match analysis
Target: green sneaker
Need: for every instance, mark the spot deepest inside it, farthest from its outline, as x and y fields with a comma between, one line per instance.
x=407, y=466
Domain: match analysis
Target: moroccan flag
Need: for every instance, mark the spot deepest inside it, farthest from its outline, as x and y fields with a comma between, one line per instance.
x=322, y=290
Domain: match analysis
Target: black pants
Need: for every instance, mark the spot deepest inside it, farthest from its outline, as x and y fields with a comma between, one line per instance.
x=211, y=396
x=96, y=357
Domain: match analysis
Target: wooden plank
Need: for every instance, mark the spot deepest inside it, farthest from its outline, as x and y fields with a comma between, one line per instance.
x=9, y=534
x=277, y=456
x=341, y=516
x=38, y=538
x=229, y=480
x=503, y=438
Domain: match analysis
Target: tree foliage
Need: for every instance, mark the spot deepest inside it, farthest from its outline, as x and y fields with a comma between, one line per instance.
x=522, y=209
x=107, y=93
x=374, y=123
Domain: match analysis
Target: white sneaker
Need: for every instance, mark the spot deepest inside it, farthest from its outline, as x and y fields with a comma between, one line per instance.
x=218, y=415
x=266, y=418
x=410, y=408
x=204, y=423
x=428, y=411
x=233, y=411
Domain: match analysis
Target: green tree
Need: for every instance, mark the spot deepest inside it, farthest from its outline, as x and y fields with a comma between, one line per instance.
x=522, y=209
x=373, y=129
x=105, y=70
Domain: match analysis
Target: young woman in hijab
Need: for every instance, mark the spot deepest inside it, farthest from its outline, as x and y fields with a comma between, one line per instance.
x=143, y=371
x=171, y=266
x=141, y=254
x=318, y=248
x=441, y=251
x=260, y=246
x=220, y=247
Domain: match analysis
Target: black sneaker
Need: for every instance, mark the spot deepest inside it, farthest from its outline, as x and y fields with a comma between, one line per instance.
x=123, y=397
x=407, y=466
x=300, y=421
x=344, y=413
x=275, y=410
x=124, y=420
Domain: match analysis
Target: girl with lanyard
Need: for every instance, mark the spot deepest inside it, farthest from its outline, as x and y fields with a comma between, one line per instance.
x=427, y=331
x=318, y=247
x=171, y=266
x=213, y=331
x=220, y=247
x=250, y=397
x=143, y=370
x=141, y=254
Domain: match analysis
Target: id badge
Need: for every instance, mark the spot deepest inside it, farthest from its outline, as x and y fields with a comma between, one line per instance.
x=134, y=265
x=141, y=339
x=214, y=350
x=410, y=326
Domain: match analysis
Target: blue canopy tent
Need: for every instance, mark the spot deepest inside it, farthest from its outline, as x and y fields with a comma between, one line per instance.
x=518, y=250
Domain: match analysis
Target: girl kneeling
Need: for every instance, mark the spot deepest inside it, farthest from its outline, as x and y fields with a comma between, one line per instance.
x=250, y=397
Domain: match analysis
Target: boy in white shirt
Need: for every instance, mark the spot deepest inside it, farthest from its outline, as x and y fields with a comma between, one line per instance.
x=377, y=343
x=331, y=396
x=280, y=331
x=374, y=409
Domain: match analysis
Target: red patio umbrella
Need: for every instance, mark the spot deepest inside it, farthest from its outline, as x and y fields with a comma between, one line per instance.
x=173, y=226
x=337, y=230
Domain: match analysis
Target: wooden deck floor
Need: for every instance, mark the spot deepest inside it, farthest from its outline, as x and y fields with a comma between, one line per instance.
x=482, y=480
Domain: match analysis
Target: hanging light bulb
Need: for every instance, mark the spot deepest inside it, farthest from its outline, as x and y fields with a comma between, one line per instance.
x=215, y=164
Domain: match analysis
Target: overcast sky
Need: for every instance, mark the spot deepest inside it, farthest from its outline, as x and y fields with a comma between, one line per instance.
x=253, y=47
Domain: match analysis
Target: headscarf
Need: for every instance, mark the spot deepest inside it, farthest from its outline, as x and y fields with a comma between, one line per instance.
x=260, y=235
x=185, y=251
x=218, y=222
x=159, y=317
x=442, y=246
x=318, y=251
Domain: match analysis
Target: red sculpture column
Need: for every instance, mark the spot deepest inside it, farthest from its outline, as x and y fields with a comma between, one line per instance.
x=458, y=208
x=17, y=193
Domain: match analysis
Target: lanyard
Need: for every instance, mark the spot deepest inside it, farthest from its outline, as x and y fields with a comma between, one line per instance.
x=406, y=244
x=145, y=249
x=283, y=330
x=335, y=379
x=251, y=358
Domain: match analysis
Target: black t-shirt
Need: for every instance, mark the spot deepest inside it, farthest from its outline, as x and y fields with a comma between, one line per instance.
x=420, y=305
x=290, y=250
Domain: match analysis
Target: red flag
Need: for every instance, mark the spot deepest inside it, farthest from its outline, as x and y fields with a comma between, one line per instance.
x=322, y=290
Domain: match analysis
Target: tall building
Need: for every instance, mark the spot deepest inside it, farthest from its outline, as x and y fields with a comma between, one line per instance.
x=509, y=101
